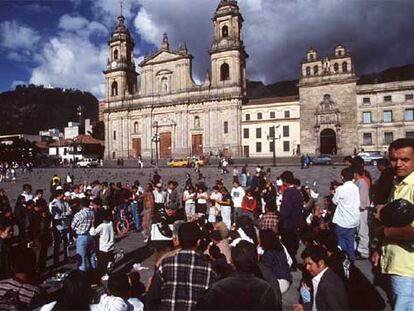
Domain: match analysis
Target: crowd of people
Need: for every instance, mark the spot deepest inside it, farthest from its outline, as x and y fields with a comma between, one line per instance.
x=218, y=247
x=8, y=171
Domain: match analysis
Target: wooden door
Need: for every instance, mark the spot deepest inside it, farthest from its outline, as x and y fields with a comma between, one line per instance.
x=165, y=145
x=246, y=151
x=197, y=144
x=136, y=147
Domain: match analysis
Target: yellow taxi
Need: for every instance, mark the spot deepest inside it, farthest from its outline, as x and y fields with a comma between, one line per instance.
x=198, y=161
x=177, y=163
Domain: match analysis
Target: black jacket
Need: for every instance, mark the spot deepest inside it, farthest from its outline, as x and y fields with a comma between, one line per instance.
x=331, y=293
x=239, y=291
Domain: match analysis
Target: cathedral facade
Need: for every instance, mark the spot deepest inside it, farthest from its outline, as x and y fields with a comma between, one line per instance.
x=169, y=115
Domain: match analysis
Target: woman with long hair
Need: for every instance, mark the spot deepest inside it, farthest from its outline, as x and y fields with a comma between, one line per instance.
x=274, y=257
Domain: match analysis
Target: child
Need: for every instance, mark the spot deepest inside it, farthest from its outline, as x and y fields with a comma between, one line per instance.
x=106, y=242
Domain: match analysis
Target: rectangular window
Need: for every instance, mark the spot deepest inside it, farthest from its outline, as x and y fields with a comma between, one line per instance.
x=367, y=139
x=409, y=97
x=258, y=147
x=259, y=116
x=366, y=117
x=271, y=146
x=287, y=114
x=409, y=135
x=272, y=114
x=286, y=146
x=114, y=135
x=245, y=133
x=286, y=131
x=366, y=100
x=226, y=127
x=409, y=115
x=387, y=98
x=388, y=138
x=247, y=116
x=387, y=116
x=272, y=131
x=258, y=132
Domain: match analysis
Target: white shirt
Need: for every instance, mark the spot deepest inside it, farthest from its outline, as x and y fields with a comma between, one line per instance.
x=113, y=303
x=216, y=196
x=315, y=281
x=27, y=196
x=106, y=236
x=347, y=202
x=188, y=198
x=159, y=197
x=237, y=195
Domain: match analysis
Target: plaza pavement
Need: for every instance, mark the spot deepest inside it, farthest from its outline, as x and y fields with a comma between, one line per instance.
x=133, y=245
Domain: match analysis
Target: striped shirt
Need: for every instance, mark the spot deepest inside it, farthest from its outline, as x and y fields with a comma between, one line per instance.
x=27, y=294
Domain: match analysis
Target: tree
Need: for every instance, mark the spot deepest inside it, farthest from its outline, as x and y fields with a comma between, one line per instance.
x=98, y=131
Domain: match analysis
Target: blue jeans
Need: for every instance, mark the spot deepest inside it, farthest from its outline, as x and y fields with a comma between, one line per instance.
x=135, y=215
x=243, y=180
x=402, y=292
x=346, y=240
x=85, y=248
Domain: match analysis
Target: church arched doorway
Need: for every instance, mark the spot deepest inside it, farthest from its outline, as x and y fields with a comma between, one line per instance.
x=328, y=142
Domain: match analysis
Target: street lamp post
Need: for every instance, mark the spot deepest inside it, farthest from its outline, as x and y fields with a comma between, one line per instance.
x=273, y=139
x=156, y=139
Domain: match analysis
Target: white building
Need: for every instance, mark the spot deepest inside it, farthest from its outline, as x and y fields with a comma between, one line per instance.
x=268, y=118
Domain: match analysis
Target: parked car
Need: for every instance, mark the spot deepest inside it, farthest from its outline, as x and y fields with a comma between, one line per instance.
x=323, y=159
x=189, y=162
x=195, y=160
x=87, y=163
x=371, y=158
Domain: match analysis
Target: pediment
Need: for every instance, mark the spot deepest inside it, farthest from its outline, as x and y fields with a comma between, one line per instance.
x=162, y=57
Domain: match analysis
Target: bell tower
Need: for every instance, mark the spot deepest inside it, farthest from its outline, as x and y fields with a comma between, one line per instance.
x=120, y=74
x=228, y=56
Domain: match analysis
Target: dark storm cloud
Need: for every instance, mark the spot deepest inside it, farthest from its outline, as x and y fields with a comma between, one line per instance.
x=277, y=33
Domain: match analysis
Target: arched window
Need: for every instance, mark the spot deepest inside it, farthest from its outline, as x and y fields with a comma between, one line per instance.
x=315, y=69
x=164, y=85
x=344, y=67
x=225, y=72
x=115, y=54
x=135, y=127
x=225, y=31
x=311, y=57
x=196, y=122
x=339, y=53
x=308, y=71
x=114, y=89
x=336, y=67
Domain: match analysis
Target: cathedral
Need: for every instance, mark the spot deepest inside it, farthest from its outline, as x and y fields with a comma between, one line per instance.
x=169, y=115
